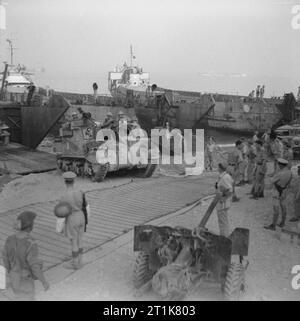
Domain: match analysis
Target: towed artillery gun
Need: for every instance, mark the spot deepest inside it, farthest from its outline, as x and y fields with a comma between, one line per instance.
x=76, y=150
x=176, y=260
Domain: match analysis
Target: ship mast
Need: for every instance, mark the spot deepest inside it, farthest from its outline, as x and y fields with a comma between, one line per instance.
x=131, y=55
x=11, y=48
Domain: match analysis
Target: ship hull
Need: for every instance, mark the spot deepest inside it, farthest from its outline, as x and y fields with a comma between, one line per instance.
x=243, y=115
x=181, y=110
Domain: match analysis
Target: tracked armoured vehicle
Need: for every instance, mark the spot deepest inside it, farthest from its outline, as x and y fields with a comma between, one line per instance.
x=78, y=149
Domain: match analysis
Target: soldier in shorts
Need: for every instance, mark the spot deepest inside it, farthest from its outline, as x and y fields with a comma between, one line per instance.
x=76, y=222
x=224, y=187
x=235, y=168
x=281, y=182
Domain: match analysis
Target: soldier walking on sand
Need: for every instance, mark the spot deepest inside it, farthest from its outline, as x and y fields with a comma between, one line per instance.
x=224, y=187
x=20, y=258
x=76, y=222
x=281, y=182
x=259, y=171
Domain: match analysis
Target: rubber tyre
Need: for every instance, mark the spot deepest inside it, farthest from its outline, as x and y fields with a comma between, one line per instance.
x=141, y=272
x=101, y=172
x=234, y=282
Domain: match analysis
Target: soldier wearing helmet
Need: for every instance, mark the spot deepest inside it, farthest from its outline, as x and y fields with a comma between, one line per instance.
x=134, y=123
x=109, y=121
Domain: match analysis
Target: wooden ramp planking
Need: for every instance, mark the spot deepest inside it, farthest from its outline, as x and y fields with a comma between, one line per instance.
x=114, y=212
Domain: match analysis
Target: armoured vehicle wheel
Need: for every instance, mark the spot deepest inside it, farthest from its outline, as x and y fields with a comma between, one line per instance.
x=141, y=272
x=234, y=282
x=149, y=170
x=100, y=173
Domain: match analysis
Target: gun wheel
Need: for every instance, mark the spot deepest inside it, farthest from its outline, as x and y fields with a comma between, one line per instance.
x=235, y=282
x=100, y=173
x=141, y=272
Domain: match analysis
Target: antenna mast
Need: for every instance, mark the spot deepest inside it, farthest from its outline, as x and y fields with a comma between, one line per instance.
x=11, y=48
x=131, y=55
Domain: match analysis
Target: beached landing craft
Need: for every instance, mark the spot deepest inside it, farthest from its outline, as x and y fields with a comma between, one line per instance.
x=28, y=111
x=243, y=114
x=154, y=107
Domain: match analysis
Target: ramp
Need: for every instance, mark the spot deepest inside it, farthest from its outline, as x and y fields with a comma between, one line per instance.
x=29, y=125
x=38, y=121
x=114, y=212
x=20, y=160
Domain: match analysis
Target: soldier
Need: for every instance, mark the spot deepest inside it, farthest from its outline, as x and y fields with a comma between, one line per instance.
x=257, y=91
x=281, y=182
x=276, y=150
x=76, y=222
x=235, y=160
x=296, y=190
x=211, y=148
x=134, y=124
x=259, y=171
x=122, y=117
x=251, y=94
x=251, y=161
x=95, y=89
x=245, y=151
x=20, y=258
x=224, y=187
x=255, y=136
x=262, y=91
x=288, y=153
x=266, y=136
x=108, y=122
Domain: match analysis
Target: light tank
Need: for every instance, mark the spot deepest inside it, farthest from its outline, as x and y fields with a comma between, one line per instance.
x=78, y=149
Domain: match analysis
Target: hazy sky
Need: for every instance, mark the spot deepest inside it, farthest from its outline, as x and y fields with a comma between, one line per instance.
x=184, y=44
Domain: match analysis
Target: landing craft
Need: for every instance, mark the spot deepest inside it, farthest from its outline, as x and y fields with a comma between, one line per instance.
x=28, y=111
x=155, y=107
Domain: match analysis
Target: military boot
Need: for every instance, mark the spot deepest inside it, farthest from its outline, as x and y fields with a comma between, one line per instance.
x=271, y=227
x=73, y=264
x=80, y=264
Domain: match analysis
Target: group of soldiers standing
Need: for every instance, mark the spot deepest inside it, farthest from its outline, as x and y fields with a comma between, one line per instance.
x=259, y=92
x=247, y=164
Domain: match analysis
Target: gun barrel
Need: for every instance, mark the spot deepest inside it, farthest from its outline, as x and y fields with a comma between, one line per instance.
x=209, y=211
